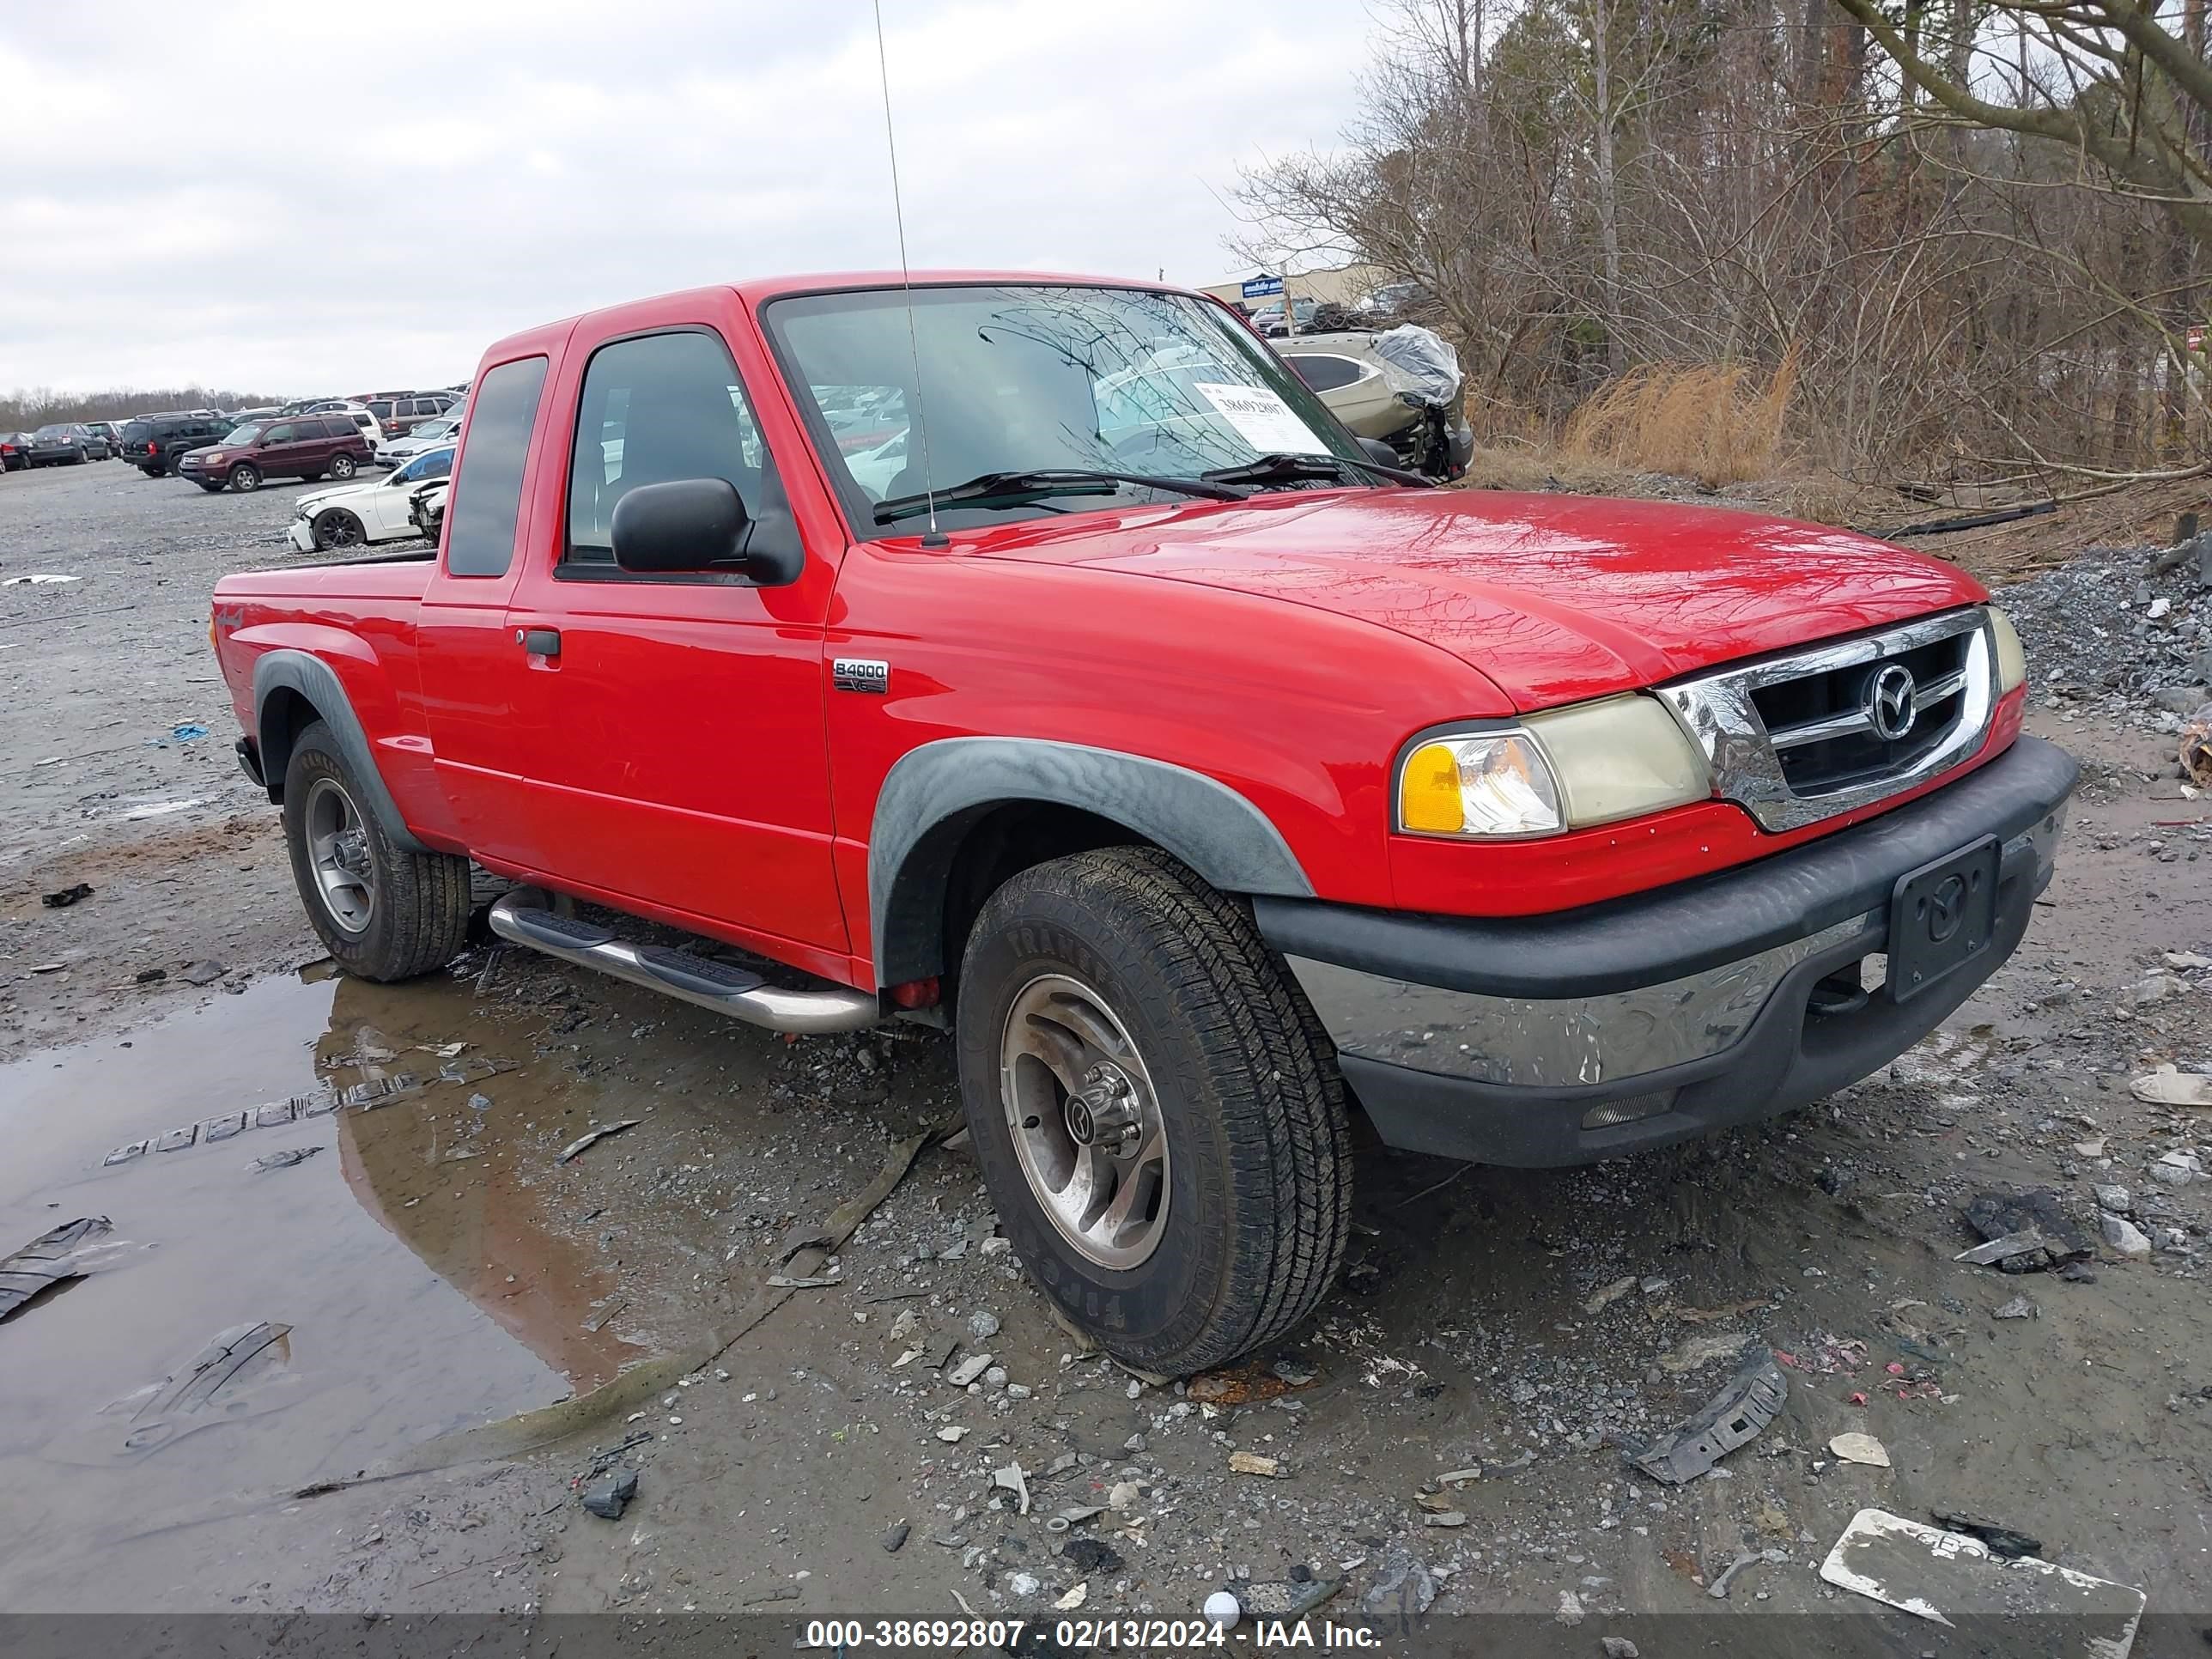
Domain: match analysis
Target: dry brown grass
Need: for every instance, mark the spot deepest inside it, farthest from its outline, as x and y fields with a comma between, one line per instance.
x=1719, y=423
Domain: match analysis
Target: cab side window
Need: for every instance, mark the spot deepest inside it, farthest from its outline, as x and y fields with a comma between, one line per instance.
x=655, y=410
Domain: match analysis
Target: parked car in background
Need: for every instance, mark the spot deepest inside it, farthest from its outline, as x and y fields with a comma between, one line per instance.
x=401, y=414
x=60, y=443
x=15, y=452
x=359, y=414
x=297, y=447
x=1401, y=386
x=430, y=434
x=377, y=511
x=109, y=433
x=1268, y=318
x=155, y=443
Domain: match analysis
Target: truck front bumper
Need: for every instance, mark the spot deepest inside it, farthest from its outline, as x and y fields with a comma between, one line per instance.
x=1541, y=1041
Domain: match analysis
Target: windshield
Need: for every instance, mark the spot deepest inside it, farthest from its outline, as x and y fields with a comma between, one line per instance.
x=244, y=434
x=54, y=431
x=1018, y=379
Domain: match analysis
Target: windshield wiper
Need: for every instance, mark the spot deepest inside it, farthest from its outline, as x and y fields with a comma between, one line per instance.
x=1285, y=468
x=1042, y=482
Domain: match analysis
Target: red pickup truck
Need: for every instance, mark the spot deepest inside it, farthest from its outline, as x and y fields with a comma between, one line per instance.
x=1037, y=657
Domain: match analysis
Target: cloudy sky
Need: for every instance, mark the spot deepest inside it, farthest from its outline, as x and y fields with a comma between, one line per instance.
x=294, y=196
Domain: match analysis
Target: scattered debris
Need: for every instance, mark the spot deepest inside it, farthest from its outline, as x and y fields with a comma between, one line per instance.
x=2002, y=1540
x=895, y=1537
x=952, y=1434
x=1293, y=1599
x=1445, y=1518
x=1856, y=1448
x=1092, y=1555
x=1718, y=1589
x=1570, y=1612
x=968, y=1369
x=1934, y=1574
x=811, y=1282
x=212, y=1389
x=2001, y=1217
x=51, y=1259
x=1403, y=1590
x=1695, y=1352
x=2019, y=1308
x=1731, y=1419
x=1619, y=1647
x=983, y=1326
x=1244, y=1462
x=37, y=578
x=2001, y=1249
x=1012, y=1479
x=1074, y=1599
x=202, y=973
x=67, y=897
x=591, y=1138
x=609, y=1495
x=1610, y=1294
x=286, y=1159
x=2169, y=1085
x=2123, y=1235
x=1224, y=1609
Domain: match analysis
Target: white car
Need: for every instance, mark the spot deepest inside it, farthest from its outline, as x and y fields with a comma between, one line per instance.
x=329, y=519
x=440, y=434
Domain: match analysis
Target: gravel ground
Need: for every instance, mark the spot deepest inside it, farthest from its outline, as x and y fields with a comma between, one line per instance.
x=1521, y=1324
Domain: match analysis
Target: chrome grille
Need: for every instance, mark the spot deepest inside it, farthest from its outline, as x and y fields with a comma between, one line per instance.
x=1796, y=738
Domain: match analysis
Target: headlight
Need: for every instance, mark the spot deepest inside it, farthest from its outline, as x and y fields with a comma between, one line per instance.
x=1593, y=764
x=2012, y=661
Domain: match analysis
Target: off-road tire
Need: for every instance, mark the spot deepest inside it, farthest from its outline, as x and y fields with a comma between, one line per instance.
x=420, y=918
x=1247, y=1089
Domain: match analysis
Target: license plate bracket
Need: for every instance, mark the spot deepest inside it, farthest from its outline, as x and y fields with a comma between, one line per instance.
x=1941, y=916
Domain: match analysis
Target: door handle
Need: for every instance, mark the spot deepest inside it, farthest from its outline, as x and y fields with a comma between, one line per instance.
x=539, y=641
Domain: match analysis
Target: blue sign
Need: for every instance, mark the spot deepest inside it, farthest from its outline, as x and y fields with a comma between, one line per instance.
x=1262, y=286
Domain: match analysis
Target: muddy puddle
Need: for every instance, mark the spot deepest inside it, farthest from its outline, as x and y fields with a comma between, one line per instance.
x=294, y=1298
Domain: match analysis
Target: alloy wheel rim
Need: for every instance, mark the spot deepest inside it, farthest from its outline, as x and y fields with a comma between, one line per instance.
x=337, y=851
x=1084, y=1122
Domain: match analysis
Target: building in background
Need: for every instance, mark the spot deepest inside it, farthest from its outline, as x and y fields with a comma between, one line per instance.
x=1345, y=286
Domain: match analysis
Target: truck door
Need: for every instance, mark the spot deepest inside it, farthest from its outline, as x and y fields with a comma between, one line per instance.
x=671, y=726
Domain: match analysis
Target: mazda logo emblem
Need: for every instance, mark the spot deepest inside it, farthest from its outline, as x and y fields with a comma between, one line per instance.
x=1890, y=702
x=1947, y=908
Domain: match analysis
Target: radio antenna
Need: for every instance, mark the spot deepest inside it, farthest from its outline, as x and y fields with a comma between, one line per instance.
x=919, y=424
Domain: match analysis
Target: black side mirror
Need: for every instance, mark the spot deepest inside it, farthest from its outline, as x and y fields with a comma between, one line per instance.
x=1380, y=453
x=692, y=524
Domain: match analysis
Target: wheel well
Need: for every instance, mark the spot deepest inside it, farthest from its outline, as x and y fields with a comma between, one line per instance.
x=1000, y=842
x=285, y=714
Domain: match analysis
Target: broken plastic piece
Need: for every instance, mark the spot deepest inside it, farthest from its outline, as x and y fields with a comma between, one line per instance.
x=1936, y=1575
x=2003, y=1542
x=212, y=1388
x=67, y=897
x=609, y=1495
x=1734, y=1416
x=48, y=1260
x=591, y=1138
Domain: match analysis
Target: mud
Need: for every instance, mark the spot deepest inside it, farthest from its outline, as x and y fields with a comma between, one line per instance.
x=440, y=1268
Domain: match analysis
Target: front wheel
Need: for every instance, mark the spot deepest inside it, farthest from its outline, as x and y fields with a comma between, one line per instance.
x=1159, y=1120
x=342, y=467
x=383, y=912
x=244, y=478
x=336, y=527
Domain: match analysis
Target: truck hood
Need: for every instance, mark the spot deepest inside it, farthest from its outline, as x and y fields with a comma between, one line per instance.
x=1553, y=597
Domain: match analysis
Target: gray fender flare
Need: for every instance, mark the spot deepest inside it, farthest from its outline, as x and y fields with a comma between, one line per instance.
x=936, y=792
x=314, y=680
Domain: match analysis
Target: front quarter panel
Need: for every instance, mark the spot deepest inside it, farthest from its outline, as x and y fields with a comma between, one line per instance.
x=1293, y=713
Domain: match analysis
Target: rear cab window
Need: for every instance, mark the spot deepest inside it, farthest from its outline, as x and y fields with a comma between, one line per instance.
x=486, y=502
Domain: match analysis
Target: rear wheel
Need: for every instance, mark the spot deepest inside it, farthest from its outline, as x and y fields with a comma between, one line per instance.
x=383, y=912
x=335, y=528
x=1160, y=1128
x=342, y=466
x=244, y=478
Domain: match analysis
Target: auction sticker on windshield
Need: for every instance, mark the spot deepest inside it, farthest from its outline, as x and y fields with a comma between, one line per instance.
x=1261, y=419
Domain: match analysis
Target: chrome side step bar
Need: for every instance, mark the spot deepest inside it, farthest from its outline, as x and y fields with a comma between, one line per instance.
x=720, y=986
